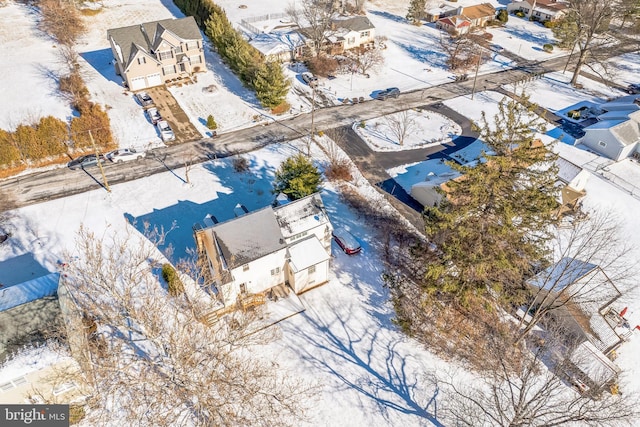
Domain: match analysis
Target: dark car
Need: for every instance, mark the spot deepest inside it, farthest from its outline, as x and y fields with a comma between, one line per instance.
x=634, y=88
x=346, y=241
x=392, y=92
x=309, y=79
x=84, y=161
x=144, y=99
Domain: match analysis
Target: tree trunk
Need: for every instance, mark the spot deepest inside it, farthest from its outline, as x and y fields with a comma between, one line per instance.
x=581, y=60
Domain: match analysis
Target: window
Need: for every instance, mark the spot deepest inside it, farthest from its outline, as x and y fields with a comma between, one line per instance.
x=167, y=54
x=352, y=40
x=142, y=60
x=602, y=143
x=537, y=13
x=243, y=288
x=364, y=34
x=169, y=69
x=192, y=45
x=312, y=269
x=275, y=271
x=245, y=267
x=64, y=387
x=195, y=59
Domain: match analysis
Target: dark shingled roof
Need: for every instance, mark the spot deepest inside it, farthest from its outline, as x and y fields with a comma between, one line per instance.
x=145, y=36
x=357, y=23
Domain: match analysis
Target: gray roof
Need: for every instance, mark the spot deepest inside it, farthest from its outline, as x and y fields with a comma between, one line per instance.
x=562, y=274
x=627, y=133
x=249, y=237
x=567, y=170
x=357, y=23
x=301, y=215
x=145, y=36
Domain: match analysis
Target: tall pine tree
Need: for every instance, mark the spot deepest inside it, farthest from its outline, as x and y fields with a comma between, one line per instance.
x=494, y=223
x=416, y=10
x=271, y=85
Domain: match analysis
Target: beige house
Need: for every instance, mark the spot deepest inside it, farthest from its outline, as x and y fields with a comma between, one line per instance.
x=541, y=10
x=467, y=18
x=154, y=53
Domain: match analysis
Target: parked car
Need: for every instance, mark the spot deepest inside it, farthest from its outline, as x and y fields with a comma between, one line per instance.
x=633, y=88
x=124, y=154
x=85, y=161
x=392, y=92
x=166, y=133
x=144, y=99
x=153, y=115
x=309, y=79
x=346, y=241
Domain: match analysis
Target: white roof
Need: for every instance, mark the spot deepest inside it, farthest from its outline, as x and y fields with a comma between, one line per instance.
x=301, y=215
x=306, y=253
x=277, y=42
x=567, y=171
x=22, y=293
x=593, y=363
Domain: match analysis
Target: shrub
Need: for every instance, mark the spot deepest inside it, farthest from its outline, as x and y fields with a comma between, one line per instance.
x=322, y=65
x=93, y=119
x=547, y=47
x=502, y=16
x=574, y=114
x=363, y=124
x=240, y=164
x=339, y=170
x=211, y=123
x=170, y=275
x=549, y=24
x=519, y=14
x=281, y=109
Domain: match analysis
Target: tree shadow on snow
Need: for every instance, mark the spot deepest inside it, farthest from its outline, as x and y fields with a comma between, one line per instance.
x=368, y=364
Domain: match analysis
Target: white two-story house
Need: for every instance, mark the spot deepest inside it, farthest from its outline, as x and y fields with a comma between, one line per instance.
x=283, y=247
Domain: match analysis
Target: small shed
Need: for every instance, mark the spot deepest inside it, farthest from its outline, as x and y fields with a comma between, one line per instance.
x=308, y=264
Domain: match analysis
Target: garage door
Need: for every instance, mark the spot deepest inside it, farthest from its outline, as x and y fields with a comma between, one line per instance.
x=154, y=80
x=137, y=83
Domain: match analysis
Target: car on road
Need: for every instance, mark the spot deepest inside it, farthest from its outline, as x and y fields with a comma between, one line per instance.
x=309, y=79
x=153, y=115
x=85, y=161
x=346, y=241
x=392, y=92
x=633, y=88
x=124, y=155
x=166, y=133
x=144, y=99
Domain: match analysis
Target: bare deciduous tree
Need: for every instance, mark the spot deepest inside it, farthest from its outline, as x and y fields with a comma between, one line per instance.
x=314, y=18
x=401, y=124
x=365, y=60
x=462, y=50
x=155, y=361
x=592, y=239
x=524, y=386
x=61, y=20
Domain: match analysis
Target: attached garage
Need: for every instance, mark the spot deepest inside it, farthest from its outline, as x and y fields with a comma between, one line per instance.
x=143, y=82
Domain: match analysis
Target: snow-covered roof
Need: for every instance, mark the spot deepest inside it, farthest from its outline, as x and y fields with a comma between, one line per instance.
x=616, y=115
x=277, y=42
x=306, y=253
x=593, y=363
x=567, y=171
x=249, y=237
x=562, y=274
x=443, y=8
x=301, y=215
x=624, y=102
x=31, y=290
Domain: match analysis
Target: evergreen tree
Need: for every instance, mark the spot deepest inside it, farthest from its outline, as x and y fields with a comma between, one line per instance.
x=494, y=223
x=416, y=10
x=8, y=151
x=271, y=85
x=297, y=177
x=52, y=134
x=211, y=123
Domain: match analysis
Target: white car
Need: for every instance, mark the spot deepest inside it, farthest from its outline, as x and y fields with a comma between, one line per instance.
x=309, y=79
x=124, y=155
x=166, y=133
x=153, y=115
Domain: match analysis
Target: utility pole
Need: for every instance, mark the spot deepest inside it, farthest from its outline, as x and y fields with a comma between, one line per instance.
x=313, y=109
x=95, y=150
x=475, y=78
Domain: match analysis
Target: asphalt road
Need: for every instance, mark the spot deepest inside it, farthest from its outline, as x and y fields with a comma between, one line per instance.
x=46, y=185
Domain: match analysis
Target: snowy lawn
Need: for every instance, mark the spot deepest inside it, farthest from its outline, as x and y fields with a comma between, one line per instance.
x=525, y=39
x=423, y=128
x=29, y=66
x=624, y=68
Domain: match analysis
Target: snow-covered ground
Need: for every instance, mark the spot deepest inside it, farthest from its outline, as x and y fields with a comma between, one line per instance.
x=420, y=128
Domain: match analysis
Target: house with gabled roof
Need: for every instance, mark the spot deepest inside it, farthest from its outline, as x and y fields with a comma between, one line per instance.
x=467, y=18
x=617, y=137
x=272, y=250
x=153, y=53
x=541, y=10
x=584, y=302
